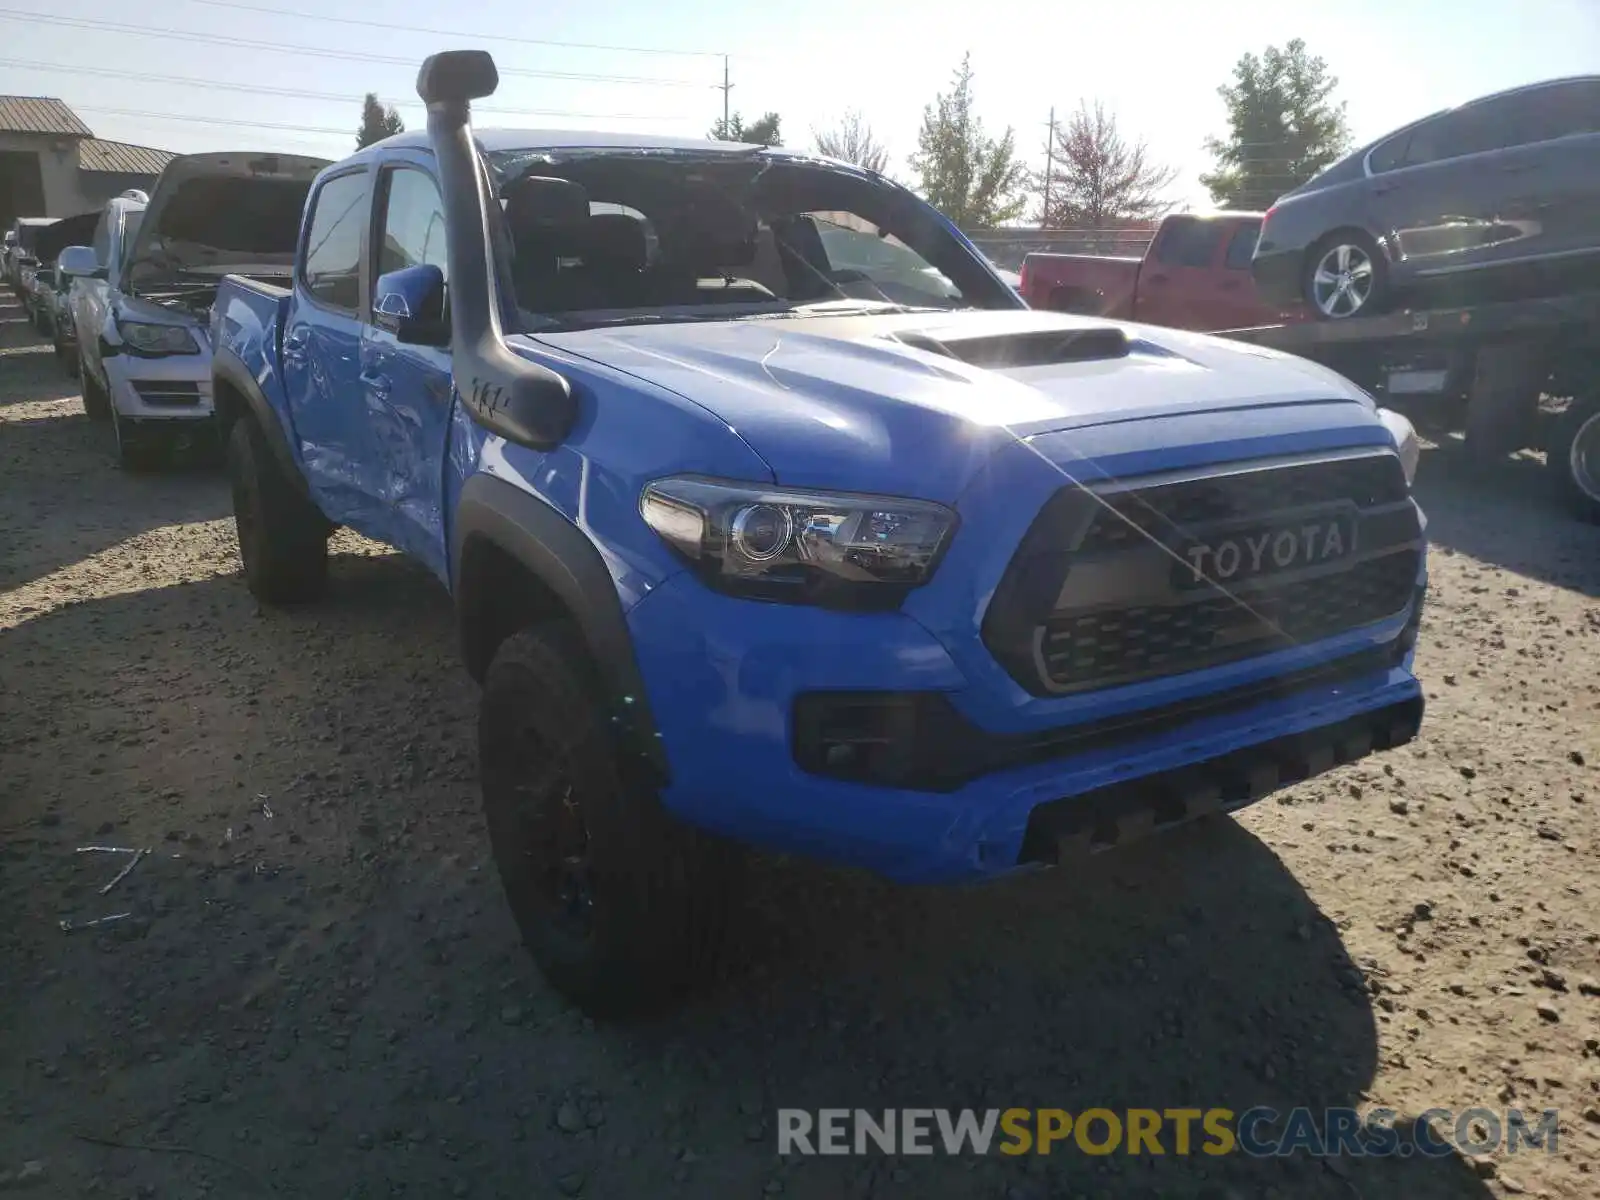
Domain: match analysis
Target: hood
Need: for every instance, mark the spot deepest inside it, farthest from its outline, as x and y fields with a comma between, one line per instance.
x=913, y=398
x=211, y=214
x=50, y=241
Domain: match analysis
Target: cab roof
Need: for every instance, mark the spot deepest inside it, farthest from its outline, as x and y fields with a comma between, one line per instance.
x=565, y=139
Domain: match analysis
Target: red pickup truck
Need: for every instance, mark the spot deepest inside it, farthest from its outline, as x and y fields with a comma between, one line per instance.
x=1194, y=275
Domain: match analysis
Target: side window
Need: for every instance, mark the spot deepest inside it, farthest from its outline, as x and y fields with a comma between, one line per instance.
x=1188, y=242
x=1558, y=111
x=1471, y=130
x=102, y=241
x=1242, y=246
x=1386, y=156
x=332, y=270
x=413, y=223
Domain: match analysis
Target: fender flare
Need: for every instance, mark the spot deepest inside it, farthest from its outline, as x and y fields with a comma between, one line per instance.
x=228, y=368
x=558, y=554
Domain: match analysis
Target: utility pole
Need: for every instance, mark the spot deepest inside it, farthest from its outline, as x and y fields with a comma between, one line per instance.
x=1049, y=166
x=727, y=86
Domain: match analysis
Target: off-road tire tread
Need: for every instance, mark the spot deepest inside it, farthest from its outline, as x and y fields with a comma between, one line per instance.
x=290, y=565
x=677, y=883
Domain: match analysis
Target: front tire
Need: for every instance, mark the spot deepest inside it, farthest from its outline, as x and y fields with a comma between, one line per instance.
x=96, y=403
x=1573, y=455
x=138, y=450
x=283, y=538
x=623, y=907
x=1346, y=276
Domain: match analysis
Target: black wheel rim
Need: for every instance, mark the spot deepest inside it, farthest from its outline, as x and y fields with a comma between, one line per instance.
x=552, y=835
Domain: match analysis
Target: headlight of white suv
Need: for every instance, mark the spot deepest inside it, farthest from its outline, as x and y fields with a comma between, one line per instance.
x=1405, y=441
x=157, y=339
x=835, y=549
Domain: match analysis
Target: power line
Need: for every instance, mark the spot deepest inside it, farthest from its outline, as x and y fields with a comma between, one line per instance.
x=497, y=36
x=157, y=116
x=263, y=90
x=351, y=55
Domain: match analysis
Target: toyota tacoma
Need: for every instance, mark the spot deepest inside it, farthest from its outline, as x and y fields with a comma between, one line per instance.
x=773, y=517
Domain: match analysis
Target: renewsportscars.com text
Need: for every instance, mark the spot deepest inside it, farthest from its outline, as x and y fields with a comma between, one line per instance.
x=1256, y=1132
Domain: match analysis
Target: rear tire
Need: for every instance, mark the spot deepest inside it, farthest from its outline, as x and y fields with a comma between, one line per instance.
x=623, y=907
x=1345, y=276
x=283, y=538
x=1503, y=400
x=1573, y=457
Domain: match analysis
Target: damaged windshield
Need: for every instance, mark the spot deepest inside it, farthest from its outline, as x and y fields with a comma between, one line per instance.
x=600, y=238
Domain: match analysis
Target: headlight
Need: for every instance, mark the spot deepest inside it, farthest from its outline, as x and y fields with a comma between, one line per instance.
x=835, y=549
x=1405, y=441
x=157, y=339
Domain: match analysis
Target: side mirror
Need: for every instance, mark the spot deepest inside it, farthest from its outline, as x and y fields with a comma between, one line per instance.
x=411, y=305
x=79, y=262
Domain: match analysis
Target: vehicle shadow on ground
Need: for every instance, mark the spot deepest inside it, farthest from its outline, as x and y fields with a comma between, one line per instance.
x=1506, y=515
x=32, y=374
x=48, y=524
x=327, y=989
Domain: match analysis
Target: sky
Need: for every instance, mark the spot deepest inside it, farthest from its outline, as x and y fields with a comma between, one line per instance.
x=1156, y=65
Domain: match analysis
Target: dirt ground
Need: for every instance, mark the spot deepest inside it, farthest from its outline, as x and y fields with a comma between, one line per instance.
x=319, y=992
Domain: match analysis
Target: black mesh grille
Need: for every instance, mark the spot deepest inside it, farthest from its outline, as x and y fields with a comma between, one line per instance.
x=1158, y=510
x=1101, y=648
x=1088, y=601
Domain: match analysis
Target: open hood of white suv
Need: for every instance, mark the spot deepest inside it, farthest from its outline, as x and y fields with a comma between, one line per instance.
x=211, y=214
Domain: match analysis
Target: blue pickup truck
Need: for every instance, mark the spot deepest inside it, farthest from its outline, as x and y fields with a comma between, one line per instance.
x=773, y=517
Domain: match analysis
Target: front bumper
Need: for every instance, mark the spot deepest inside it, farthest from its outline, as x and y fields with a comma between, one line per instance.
x=176, y=387
x=723, y=677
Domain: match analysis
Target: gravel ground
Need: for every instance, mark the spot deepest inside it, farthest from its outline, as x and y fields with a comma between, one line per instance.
x=319, y=991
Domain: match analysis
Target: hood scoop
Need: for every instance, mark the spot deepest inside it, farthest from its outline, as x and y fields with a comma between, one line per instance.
x=1025, y=348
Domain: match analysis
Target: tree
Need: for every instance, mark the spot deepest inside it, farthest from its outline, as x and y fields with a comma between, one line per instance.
x=764, y=132
x=973, y=179
x=1098, y=179
x=1282, y=128
x=852, y=141
x=377, y=122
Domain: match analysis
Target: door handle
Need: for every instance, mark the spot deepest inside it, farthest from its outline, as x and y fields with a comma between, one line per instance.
x=377, y=383
x=294, y=345
x=1156, y=279
x=1229, y=285
x=1380, y=189
x=1518, y=168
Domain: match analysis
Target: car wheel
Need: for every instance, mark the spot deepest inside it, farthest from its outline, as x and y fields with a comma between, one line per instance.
x=1573, y=454
x=622, y=906
x=96, y=404
x=1346, y=276
x=283, y=539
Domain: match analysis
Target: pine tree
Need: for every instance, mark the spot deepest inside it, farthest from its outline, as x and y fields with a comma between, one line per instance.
x=377, y=122
x=973, y=179
x=1282, y=127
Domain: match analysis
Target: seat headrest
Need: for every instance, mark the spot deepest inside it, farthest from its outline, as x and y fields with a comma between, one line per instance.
x=542, y=205
x=616, y=240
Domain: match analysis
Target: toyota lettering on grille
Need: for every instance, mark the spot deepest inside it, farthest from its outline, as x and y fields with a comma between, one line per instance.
x=1241, y=554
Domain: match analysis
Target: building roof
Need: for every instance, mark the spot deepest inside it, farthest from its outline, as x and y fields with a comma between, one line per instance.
x=40, y=114
x=97, y=154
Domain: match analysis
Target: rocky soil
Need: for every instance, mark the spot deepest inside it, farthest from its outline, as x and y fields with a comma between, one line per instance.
x=317, y=991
